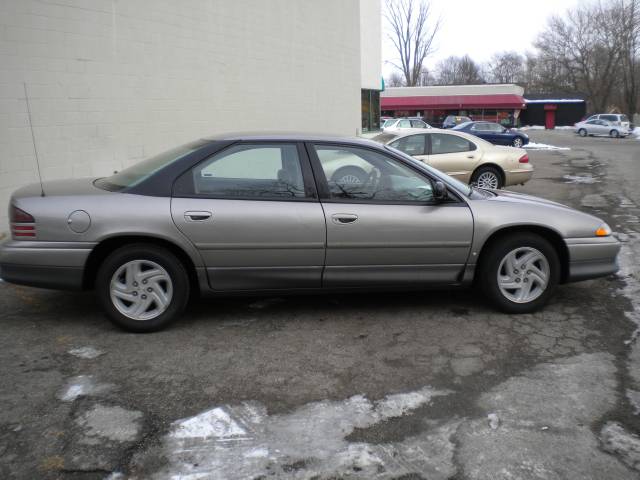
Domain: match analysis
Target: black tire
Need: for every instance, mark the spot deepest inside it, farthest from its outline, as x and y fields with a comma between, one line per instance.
x=518, y=142
x=582, y=132
x=345, y=172
x=491, y=260
x=614, y=134
x=491, y=171
x=159, y=255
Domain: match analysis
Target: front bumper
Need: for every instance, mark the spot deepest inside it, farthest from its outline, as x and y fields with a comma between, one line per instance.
x=58, y=265
x=592, y=257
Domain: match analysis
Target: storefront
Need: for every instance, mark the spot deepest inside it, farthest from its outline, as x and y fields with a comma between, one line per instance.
x=495, y=103
x=553, y=110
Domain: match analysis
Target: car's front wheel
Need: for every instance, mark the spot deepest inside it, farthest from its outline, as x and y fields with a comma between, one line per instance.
x=582, y=132
x=614, y=133
x=142, y=287
x=520, y=273
x=517, y=142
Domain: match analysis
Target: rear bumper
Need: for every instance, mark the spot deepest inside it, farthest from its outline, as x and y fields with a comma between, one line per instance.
x=58, y=265
x=516, y=177
x=592, y=257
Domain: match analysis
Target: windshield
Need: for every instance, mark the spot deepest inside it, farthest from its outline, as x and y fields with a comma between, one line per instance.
x=450, y=181
x=461, y=126
x=132, y=176
x=388, y=123
x=624, y=118
x=384, y=137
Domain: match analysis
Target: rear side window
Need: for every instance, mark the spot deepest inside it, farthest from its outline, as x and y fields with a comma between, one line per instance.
x=611, y=118
x=404, y=124
x=268, y=171
x=443, y=143
x=417, y=124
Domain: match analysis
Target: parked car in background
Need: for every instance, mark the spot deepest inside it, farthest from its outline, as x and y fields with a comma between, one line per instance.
x=494, y=133
x=453, y=120
x=597, y=127
x=615, y=119
x=403, y=123
x=465, y=157
x=236, y=214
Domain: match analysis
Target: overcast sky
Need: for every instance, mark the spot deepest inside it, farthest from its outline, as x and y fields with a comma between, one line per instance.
x=481, y=28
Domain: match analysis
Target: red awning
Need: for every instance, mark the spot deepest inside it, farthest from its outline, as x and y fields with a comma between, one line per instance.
x=451, y=102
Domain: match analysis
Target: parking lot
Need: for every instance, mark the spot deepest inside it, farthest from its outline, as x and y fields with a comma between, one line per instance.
x=417, y=385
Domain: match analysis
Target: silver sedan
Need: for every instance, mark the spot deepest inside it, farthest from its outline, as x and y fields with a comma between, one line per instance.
x=240, y=214
x=605, y=128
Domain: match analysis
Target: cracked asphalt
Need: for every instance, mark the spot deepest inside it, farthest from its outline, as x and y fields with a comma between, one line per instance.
x=422, y=385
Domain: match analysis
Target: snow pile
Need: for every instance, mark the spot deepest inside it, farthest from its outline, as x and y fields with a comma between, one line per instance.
x=636, y=133
x=543, y=146
x=540, y=127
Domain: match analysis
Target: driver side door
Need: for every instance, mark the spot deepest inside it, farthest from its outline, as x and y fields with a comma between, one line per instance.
x=387, y=229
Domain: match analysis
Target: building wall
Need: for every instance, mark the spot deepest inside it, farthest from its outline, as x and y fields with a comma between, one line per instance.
x=111, y=82
x=567, y=114
x=370, y=44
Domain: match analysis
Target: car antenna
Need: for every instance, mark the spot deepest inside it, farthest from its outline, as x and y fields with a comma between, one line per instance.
x=33, y=137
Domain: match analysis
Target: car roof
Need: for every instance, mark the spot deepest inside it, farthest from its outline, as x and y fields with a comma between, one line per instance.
x=288, y=136
x=412, y=131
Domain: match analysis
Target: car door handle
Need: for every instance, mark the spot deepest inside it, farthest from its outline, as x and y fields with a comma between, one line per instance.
x=343, y=218
x=471, y=156
x=197, y=216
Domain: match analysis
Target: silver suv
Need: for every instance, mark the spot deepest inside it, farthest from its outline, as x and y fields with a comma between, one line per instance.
x=619, y=119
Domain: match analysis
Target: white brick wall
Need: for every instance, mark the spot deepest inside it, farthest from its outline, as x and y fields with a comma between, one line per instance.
x=113, y=81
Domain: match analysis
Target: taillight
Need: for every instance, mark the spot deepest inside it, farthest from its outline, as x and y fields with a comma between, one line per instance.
x=524, y=158
x=22, y=223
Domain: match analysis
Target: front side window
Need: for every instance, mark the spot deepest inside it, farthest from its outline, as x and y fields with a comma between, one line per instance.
x=411, y=145
x=444, y=143
x=267, y=171
x=359, y=174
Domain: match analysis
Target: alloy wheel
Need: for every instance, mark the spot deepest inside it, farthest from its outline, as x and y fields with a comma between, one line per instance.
x=517, y=142
x=523, y=274
x=349, y=180
x=488, y=180
x=141, y=289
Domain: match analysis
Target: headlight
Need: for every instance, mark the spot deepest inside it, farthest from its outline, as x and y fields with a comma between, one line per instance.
x=603, y=230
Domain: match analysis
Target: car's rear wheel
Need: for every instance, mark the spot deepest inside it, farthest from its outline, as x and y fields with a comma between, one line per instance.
x=614, y=133
x=487, y=177
x=520, y=273
x=517, y=142
x=582, y=132
x=142, y=287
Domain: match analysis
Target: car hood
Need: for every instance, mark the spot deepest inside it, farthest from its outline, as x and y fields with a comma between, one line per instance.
x=513, y=197
x=71, y=186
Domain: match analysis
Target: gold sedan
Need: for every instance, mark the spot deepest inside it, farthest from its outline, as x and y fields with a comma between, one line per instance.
x=465, y=157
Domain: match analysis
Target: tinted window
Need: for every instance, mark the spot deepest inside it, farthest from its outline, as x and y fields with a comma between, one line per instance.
x=249, y=171
x=130, y=177
x=611, y=118
x=411, y=145
x=417, y=124
x=359, y=174
x=478, y=127
x=443, y=143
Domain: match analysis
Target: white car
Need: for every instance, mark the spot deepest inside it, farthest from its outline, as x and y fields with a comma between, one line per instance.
x=399, y=124
x=619, y=119
x=598, y=127
x=465, y=157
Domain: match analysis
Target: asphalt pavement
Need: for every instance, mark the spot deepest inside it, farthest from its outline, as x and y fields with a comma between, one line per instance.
x=420, y=385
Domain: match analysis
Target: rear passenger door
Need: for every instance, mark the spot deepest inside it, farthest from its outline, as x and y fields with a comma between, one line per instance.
x=253, y=213
x=453, y=155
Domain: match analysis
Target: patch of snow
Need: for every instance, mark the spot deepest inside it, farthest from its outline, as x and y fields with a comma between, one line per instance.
x=543, y=146
x=82, y=385
x=244, y=441
x=86, y=352
x=532, y=127
x=588, y=179
x=113, y=423
x=617, y=440
x=494, y=421
x=636, y=133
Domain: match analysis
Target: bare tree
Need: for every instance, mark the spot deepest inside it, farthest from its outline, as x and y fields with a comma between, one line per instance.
x=626, y=15
x=395, y=80
x=412, y=32
x=582, y=52
x=459, y=71
x=506, y=67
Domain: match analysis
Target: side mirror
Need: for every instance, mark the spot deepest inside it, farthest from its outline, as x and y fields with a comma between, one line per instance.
x=440, y=191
